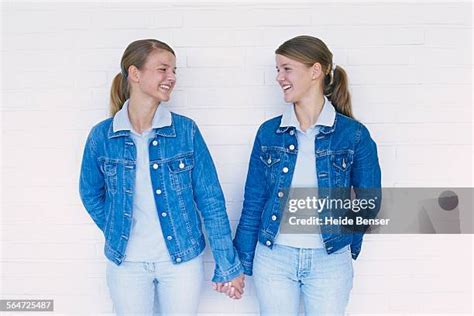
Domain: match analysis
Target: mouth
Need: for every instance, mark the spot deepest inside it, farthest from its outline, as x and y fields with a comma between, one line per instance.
x=165, y=87
x=286, y=87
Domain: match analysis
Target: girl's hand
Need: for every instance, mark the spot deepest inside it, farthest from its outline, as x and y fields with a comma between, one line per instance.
x=233, y=289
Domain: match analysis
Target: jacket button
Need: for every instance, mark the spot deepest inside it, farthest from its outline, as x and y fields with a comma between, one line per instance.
x=269, y=160
x=155, y=166
x=155, y=142
x=291, y=147
x=178, y=260
x=285, y=170
x=158, y=191
x=181, y=165
x=268, y=243
x=274, y=217
x=164, y=214
x=292, y=132
x=280, y=194
x=169, y=237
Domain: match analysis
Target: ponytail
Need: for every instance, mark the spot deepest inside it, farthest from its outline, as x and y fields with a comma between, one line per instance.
x=336, y=89
x=119, y=93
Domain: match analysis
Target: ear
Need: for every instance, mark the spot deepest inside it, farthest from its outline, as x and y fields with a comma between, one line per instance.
x=133, y=73
x=316, y=71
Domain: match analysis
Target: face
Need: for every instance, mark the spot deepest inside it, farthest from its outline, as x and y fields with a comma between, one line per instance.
x=157, y=77
x=297, y=80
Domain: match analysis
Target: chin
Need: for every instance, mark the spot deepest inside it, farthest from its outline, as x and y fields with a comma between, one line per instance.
x=288, y=99
x=164, y=98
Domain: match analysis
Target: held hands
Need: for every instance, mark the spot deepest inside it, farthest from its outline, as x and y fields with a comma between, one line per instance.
x=233, y=289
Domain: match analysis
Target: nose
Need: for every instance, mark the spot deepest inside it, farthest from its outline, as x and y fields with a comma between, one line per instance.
x=279, y=77
x=172, y=77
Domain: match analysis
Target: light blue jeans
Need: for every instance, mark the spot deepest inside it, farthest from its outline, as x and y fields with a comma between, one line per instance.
x=282, y=273
x=132, y=287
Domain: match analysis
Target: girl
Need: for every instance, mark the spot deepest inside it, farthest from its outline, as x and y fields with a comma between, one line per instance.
x=316, y=143
x=147, y=178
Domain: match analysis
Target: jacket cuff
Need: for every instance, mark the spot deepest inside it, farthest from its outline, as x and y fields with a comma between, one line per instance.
x=248, y=267
x=229, y=274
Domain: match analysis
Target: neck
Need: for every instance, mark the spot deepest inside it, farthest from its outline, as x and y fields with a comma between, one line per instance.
x=307, y=110
x=141, y=112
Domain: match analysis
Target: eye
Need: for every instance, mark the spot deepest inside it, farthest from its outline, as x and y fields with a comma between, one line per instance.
x=162, y=69
x=287, y=69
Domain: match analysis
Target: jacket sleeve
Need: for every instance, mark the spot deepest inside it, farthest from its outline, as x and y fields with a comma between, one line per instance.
x=255, y=197
x=210, y=201
x=91, y=183
x=366, y=181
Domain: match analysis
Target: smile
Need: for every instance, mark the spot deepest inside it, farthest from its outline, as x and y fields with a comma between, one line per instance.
x=286, y=87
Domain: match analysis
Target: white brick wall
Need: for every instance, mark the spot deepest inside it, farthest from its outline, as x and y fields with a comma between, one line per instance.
x=410, y=69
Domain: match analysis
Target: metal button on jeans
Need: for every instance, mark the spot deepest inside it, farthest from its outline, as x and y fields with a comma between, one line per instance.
x=155, y=166
x=268, y=243
x=291, y=147
x=155, y=142
x=285, y=170
x=280, y=194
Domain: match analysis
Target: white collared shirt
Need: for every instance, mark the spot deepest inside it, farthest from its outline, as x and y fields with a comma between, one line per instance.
x=146, y=242
x=305, y=162
x=121, y=120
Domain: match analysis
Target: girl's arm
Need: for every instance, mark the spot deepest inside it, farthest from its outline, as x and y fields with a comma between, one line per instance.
x=91, y=183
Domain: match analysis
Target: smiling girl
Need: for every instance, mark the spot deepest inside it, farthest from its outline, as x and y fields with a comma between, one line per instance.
x=148, y=181
x=316, y=143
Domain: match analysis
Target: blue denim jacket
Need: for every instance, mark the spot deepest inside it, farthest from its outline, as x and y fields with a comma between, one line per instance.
x=346, y=156
x=182, y=168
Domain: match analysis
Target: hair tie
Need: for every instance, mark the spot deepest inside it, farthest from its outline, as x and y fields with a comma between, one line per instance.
x=124, y=74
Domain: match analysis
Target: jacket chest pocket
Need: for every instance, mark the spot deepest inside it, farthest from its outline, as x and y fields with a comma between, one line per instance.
x=110, y=173
x=180, y=172
x=271, y=160
x=341, y=163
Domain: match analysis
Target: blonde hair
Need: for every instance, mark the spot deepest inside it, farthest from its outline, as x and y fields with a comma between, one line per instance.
x=135, y=54
x=310, y=50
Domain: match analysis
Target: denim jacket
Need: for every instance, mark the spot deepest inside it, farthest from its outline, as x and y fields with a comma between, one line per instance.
x=184, y=178
x=346, y=156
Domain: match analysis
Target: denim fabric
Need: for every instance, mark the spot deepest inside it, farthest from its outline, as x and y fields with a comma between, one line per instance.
x=283, y=273
x=132, y=287
x=186, y=189
x=346, y=156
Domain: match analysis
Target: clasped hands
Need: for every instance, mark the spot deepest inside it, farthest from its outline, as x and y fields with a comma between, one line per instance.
x=233, y=289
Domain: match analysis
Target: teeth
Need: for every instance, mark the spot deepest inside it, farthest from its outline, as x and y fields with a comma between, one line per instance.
x=165, y=87
x=286, y=87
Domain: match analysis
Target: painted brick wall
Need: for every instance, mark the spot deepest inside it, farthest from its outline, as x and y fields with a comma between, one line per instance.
x=409, y=66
